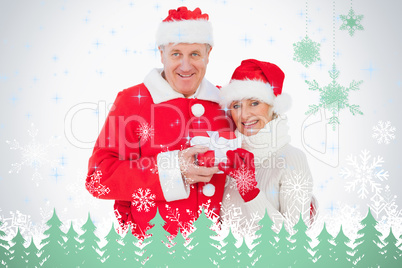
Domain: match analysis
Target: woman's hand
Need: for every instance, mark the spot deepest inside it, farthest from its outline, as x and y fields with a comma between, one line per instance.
x=240, y=166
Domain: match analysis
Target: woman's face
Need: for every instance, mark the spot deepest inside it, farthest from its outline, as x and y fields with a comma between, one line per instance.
x=250, y=115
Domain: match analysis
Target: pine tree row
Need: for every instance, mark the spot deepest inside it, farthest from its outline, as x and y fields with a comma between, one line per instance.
x=200, y=249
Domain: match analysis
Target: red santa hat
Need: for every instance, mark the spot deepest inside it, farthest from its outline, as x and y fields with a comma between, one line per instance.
x=255, y=79
x=185, y=26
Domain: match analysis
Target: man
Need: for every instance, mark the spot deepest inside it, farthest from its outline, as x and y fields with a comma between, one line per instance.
x=142, y=157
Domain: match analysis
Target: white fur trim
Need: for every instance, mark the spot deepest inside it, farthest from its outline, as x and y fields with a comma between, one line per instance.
x=246, y=89
x=161, y=91
x=184, y=31
x=282, y=103
x=172, y=184
x=251, y=89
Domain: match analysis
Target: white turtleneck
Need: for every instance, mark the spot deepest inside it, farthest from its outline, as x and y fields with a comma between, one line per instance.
x=283, y=177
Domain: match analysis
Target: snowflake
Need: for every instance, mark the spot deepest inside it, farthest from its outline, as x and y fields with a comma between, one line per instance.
x=78, y=196
x=334, y=97
x=383, y=132
x=143, y=199
x=297, y=188
x=306, y=51
x=16, y=221
x=351, y=22
x=145, y=131
x=33, y=155
x=364, y=176
x=94, y=186
x=244, y=179
x=173, y=215
x=233, y=218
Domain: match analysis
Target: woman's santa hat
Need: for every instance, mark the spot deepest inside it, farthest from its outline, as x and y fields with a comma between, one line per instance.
x=185, y=26
x=260, y=80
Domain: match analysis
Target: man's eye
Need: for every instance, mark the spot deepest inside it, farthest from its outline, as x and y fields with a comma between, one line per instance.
x=175, y=54
x=195, y=54
x=236, y=106
x=255, y=103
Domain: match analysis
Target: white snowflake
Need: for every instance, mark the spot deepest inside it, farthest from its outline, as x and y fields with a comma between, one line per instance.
x=364, y=177
x=296, y=188
x=94, y=186
x=385, y=209
x=145, y=131
x=383, y=132
x=34, y=155
x=233, y=219
x=78, y=195
x=244, y=179
x=143, y=199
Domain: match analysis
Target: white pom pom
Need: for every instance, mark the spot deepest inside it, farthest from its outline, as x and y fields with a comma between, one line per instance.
x=208, y=190
x=197, y=109
x=282, y=103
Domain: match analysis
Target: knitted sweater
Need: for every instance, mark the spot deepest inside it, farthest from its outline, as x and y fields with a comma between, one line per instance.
x=283, y=177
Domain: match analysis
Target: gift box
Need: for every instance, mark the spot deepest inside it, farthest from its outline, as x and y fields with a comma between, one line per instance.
x=218, y=142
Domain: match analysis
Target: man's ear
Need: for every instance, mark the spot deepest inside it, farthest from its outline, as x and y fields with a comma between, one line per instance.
x=161, y=51
x=209, y=51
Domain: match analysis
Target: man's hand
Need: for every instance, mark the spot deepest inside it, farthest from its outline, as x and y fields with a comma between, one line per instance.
x=240, y=166
x=189, y=168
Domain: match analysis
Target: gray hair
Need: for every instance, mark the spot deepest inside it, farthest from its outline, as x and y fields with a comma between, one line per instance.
x=162, y=47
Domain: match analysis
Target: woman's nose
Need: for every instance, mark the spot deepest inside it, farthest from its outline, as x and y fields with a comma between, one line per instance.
x=245, y=113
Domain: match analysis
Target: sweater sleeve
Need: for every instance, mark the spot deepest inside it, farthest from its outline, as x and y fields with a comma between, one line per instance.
x=296, y=185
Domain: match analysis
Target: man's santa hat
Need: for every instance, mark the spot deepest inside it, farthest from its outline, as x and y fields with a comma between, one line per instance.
x=185, y=26
x=260, y=80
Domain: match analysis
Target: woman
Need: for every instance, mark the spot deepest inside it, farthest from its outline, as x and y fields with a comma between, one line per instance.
x=267, y=173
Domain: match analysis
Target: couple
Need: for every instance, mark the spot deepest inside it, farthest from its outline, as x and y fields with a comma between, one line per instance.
x=142, y=158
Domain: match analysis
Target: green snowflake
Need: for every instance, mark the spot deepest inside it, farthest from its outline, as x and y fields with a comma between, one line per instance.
x=334, y=97
x=306, y=51
x=351, y=22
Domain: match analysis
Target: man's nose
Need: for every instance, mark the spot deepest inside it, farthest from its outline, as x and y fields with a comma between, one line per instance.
x=185, y=64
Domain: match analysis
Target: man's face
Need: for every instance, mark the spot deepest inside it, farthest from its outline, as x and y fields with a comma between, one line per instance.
x=185, y=66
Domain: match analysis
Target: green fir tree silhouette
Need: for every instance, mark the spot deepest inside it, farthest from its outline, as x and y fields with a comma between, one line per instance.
x=157, y=244
x=392, y=253
x=323, y=251
x=52, y=251
x=230, y=253
x=342, y=253
x=244, y=257
x=89, y=256
x=71, y=247
x=204, y=252
x=264, y=249
x=301, y=248
x=112, y=250
x=17, y=251
x=131, y=254
x=32, y=255
x=179, y=250
x=368, y=250
x=3, y=248
x=282, y=247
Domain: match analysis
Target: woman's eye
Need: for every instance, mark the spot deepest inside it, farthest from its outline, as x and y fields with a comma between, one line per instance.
x=236, y=106
x=255, y=103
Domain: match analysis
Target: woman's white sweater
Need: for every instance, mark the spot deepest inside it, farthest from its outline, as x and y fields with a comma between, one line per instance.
x=285, y=182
